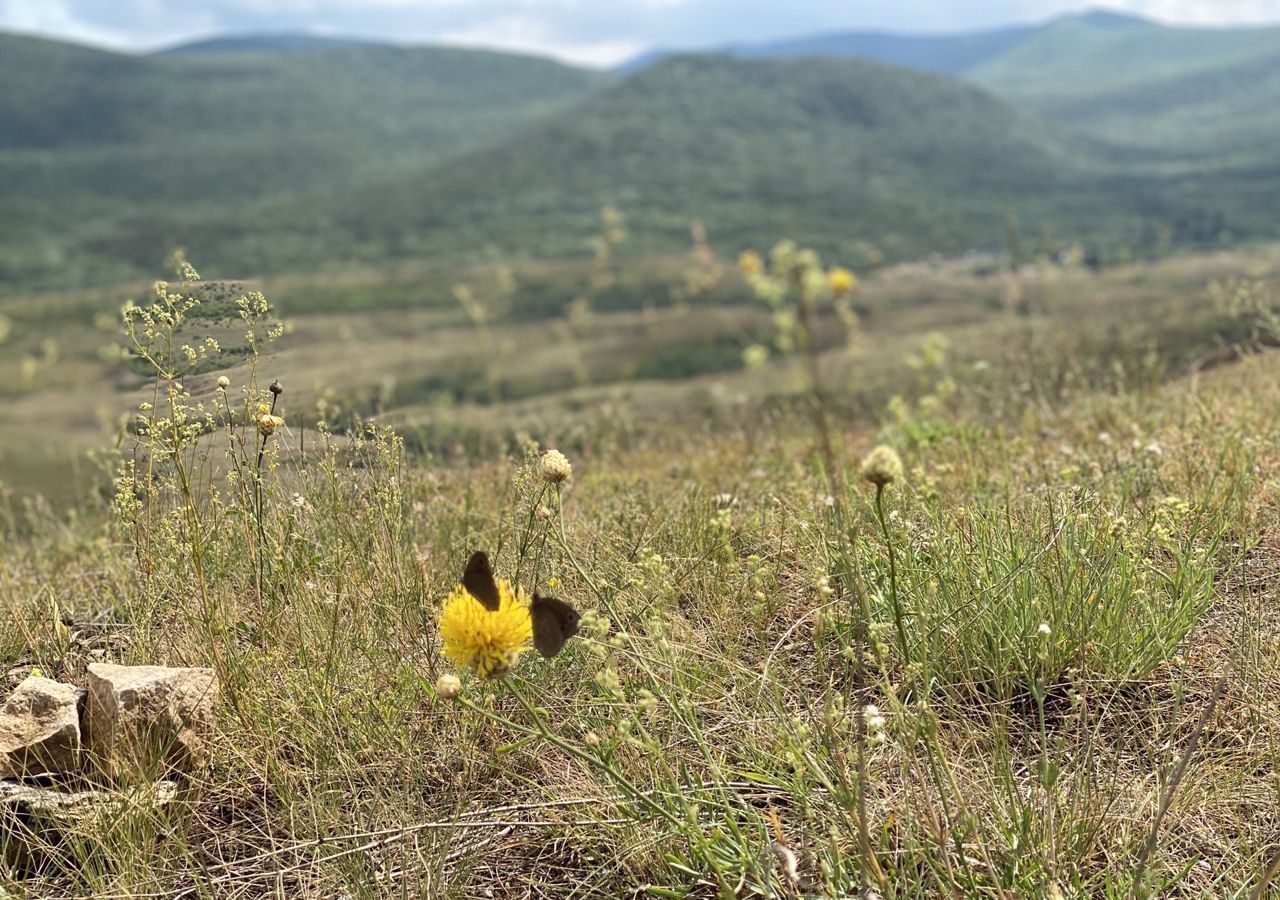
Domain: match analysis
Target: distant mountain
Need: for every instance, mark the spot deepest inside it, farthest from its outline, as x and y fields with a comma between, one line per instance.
x=269, y=42
x=92, y=140
x=1078, y=56
x=1105, y=18
x=1107, y=129
x=838, y=152
x=1168, y=99
x=1066, y=58
x=949, y=54
x=1204, y=102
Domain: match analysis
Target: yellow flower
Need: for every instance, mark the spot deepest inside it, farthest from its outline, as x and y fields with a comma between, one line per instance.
x=267, y=424
x=750, y=263
x=488, y=642
x=756, y=356
x=841, y=281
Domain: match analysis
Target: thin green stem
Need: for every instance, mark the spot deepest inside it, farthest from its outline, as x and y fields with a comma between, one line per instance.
x=898, y=618
x=541, y=731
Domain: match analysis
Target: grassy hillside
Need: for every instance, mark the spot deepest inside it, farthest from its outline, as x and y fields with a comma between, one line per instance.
x=1073, y=59
x=1038, y=659
x=275, y=159
x=1081, y=56
x=256, y=42
x=1172, y=97
x=93, y=143
x=1216, y=115
x=1176, y=127
x=838, y=152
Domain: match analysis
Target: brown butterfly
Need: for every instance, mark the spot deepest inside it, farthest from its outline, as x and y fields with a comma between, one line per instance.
x=478, y=579
x=554, y=621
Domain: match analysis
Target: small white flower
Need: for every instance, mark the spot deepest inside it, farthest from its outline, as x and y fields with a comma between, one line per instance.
x=874, y=721
x=1044, y=630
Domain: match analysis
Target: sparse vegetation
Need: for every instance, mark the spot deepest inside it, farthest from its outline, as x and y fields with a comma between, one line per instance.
x=1038, y=659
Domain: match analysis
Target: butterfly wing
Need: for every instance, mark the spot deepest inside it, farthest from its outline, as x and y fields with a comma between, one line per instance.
x=479, y=581
x=554, y=622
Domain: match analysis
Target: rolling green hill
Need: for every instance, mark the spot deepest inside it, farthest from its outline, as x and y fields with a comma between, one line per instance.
x=257, y=42
x=1175, y=97
x=950, y=54
x=840, y=153
x=92, y=143
x=260, y=157
x=1179, y=98
x=1077, y=57
x=831, y=151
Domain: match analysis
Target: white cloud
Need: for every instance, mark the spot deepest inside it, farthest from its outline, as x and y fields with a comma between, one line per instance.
x=526, y=34
x=52, y=18
x=306, y=7
x=1203, y=12
x=63, y=20
x=590, y=32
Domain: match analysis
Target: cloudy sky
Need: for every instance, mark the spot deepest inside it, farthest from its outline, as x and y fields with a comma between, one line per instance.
x=593, y=32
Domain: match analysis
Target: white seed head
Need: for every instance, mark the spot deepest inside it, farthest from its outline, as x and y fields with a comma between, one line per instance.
x=449, y=686
x=554, y=467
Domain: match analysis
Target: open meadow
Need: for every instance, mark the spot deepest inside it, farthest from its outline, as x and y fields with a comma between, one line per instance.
x=1031, y=651
x=639, y=449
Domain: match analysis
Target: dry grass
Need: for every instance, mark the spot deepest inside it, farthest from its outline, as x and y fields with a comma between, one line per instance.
x=713, y=706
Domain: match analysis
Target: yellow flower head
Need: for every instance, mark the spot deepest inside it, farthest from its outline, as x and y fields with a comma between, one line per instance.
x=750, y=263
x=268, y=424
x=842, y=281
x=488, y=642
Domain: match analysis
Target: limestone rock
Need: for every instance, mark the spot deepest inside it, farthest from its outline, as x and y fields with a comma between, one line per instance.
x=40, y=729
x=149, y=717
x=53, y=801
x=62, y=822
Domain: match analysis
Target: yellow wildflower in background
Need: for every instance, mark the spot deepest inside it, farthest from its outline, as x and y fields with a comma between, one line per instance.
x=841, y=281
x=756, y=356
x=750, y=263
x=488, y=642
